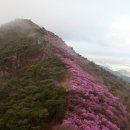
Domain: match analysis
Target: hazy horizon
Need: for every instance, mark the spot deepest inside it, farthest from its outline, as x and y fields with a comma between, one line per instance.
x=98, y=30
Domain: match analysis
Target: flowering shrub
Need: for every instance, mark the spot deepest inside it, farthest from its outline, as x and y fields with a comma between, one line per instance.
x=92, y=106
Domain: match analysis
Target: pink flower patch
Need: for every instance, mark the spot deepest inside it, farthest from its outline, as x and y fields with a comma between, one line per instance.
x=92, y=106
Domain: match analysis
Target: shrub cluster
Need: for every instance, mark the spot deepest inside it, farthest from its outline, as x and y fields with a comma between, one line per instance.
x=32, y=99
x=92, y=106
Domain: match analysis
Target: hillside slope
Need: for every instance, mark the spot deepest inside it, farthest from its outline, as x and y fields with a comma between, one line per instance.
x=46, y=85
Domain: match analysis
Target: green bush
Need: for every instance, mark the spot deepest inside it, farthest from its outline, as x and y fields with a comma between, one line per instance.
x=28, y=100
x=18, y=52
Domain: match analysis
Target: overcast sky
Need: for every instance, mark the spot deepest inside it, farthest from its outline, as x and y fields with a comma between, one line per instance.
x=97, y=29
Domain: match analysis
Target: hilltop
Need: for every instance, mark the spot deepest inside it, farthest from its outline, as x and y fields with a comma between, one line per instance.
x=46, y=85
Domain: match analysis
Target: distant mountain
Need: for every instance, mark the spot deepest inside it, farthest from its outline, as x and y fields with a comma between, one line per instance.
x=126, y=78
x=123, y=74
x=46, y=85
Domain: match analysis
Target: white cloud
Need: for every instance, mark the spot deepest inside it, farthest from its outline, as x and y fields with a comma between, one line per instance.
x=119, y=33
x=113, y=57
x=98, y=29
x=117, y=67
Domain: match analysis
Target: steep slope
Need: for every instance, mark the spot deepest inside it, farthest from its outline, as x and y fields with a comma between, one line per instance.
x=117, y=86
x=92, y=106
x=31, y=93
x=46, y=85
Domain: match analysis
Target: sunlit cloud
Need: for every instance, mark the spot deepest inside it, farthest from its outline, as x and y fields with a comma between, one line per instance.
x=117, y=67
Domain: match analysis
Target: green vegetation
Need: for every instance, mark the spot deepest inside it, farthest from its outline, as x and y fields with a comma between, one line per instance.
x=117, y=86
x=17, y=53
x=113, y=82
x=30, y=100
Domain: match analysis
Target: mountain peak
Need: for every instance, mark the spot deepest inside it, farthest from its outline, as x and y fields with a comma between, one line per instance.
x=19, y=26
x=20, y=22
x=47, y=83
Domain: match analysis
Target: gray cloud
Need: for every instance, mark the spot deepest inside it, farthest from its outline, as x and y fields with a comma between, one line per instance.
x=94, y=28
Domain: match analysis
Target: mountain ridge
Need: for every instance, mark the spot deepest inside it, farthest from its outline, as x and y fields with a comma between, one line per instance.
x=118, y=74
x=97, y=100
x=124, y=72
